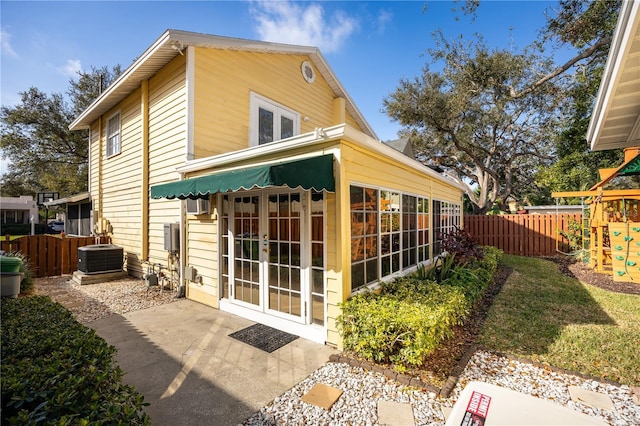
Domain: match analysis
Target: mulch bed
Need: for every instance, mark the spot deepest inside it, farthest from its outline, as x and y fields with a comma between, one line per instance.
x=584, y=273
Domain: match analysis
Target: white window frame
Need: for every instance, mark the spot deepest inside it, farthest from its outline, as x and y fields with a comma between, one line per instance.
x=112, y=148
x=256, y=102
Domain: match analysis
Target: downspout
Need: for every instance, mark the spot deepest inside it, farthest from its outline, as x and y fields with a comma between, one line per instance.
x=183, y=290
x=144, y=189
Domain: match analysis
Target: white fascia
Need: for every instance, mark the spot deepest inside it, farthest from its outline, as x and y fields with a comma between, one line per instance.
x=621, y=41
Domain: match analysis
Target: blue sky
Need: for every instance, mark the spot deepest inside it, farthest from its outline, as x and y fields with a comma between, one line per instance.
x=369, y=45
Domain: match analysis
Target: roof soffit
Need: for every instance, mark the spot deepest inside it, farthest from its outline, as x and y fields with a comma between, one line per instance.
x=615, y=122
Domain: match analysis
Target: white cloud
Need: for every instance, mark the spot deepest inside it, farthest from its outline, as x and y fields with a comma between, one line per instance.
x=302, y=24
x=71, y=68
x=5, y=43
x=383, y=18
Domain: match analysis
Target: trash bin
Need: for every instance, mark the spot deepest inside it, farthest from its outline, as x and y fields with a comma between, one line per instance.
x=10, y=264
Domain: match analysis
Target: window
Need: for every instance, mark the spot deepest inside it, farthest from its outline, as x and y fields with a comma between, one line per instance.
x=364, y=236
x=390, y=232
x=423, y=229
x=113, y=135
x=446, y=219
x=409, y=231
x=317, y=257
x=271, y=121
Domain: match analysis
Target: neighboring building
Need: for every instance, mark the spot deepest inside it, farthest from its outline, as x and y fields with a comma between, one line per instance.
x=77, y=213
x=553, y=209
x=403, y=145
x=18, y=209
x=284, y=201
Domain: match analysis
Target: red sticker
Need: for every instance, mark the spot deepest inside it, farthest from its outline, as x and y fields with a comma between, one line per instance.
x=477, y=410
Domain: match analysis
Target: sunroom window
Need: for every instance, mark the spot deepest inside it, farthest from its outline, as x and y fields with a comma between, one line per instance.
x=390, y=232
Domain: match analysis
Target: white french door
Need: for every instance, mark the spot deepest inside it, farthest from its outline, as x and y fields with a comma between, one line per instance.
x=272, y=263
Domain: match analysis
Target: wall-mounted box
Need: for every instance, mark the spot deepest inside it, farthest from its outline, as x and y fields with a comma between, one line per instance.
x=172, y=237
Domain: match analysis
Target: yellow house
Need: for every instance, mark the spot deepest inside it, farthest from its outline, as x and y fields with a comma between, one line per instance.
x=246, y=169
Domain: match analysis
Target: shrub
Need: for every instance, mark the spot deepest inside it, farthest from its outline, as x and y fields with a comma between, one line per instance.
x=57, y=371
x=400, y=328
x=410, y=316
x=460, y=243
x=21, y=228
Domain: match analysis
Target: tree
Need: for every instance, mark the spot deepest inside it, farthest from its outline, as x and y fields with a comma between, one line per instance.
x=490, y=118
x=581, y=25
x=465, y=119
x=43, y=154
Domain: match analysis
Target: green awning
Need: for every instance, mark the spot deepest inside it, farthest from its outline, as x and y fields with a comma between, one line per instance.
x=310, y=173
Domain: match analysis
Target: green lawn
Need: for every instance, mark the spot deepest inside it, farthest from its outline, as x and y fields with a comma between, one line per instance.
x=549, y=317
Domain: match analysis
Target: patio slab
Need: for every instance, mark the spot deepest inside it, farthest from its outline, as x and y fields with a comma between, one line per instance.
x=180, y=357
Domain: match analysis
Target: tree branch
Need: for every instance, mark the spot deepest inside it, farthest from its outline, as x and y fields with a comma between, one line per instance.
x=561, y=69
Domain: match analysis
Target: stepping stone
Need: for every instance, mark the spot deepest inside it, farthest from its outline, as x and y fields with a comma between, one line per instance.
x=590, y=398
x=322, y=395
x=636, y=394
x=395, y=414
x=446, y=411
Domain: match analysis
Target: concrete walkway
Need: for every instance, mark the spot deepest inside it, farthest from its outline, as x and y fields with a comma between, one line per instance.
x=179, y=356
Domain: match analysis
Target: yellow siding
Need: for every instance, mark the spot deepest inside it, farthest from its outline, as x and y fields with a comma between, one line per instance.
x=202, y=254
x=333, y=293
x=120, y=179
x=167, y=147
x=116, y=182
x=223, y=82
x=94, y=165
x=361, y=166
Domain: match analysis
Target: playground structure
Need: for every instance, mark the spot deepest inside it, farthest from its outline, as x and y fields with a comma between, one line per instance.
x=611, y=222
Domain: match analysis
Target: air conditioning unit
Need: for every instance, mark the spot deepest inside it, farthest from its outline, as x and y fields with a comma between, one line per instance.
x=197, y=206
x=100, y=258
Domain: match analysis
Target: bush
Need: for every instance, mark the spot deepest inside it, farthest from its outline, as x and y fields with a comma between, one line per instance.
x=460, y=244
x=410, y=316
x=398, y=329
x=21, y=229
x=57, y=371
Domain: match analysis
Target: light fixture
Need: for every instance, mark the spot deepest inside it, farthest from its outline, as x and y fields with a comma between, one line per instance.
x=178, y=46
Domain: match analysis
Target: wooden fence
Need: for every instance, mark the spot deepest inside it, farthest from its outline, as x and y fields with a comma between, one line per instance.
x=522, y=234
x=49, y=255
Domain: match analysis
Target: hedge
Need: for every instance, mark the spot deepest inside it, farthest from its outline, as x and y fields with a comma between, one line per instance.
x=408, y=318
x=57, y=371
x=21, y=229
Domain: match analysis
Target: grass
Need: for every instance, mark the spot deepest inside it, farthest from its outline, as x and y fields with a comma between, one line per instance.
x=546, y=316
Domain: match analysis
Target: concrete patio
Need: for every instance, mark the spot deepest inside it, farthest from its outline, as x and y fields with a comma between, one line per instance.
x=179, y=356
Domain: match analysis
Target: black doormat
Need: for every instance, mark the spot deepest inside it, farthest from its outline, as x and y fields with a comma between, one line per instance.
x=263, y=337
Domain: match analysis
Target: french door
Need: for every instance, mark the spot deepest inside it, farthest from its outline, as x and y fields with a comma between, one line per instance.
x=272, y=259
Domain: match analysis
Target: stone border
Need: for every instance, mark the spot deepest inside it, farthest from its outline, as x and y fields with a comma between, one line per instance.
x=456, y=372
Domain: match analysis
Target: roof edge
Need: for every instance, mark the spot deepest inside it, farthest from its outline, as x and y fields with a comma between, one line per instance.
x=629, y=13
x=180, y=38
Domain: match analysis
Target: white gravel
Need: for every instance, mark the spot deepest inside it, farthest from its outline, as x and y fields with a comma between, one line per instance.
x=363, y=389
